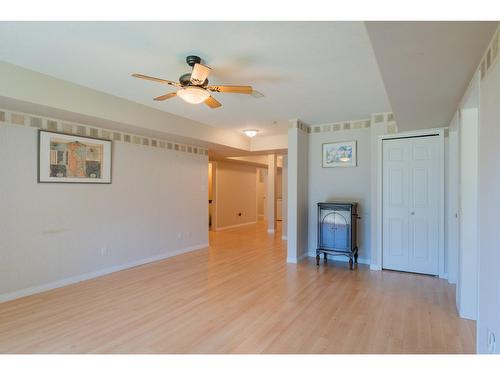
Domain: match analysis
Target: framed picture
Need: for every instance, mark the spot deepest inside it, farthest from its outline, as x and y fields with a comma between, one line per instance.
x=339, y=154
x=73, y=159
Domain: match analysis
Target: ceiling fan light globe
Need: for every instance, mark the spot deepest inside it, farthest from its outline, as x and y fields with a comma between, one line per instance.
x=193, y=94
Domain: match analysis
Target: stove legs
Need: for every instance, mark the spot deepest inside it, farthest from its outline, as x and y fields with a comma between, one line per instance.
x=353, y=258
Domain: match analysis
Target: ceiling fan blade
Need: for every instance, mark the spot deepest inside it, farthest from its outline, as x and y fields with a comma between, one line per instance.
x=166, y=96
x=199, y=74
x=212, y=103
x=232, y=89
x=142, y=76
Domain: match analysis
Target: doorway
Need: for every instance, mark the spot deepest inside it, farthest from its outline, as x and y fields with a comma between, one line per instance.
x=211, y=196
x=412, y=203
x=262, y=181
x=261, y=194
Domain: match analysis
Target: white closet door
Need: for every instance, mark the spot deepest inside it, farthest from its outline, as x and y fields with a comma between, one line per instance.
x=396, y=202
x=411, y=199
x=424, y=205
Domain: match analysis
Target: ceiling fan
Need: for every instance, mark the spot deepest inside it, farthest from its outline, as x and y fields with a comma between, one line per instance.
x=193, y=87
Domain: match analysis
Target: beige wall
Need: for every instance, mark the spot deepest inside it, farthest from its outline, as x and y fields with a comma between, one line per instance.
x=298, y=177
x=261, y=189
x=330, y=184
x=279, y=183
x=236, y=192
x=269, y=142
x=489, y=207
x=261, y=192
x=52, y=234
x=210, y=181
x=284, y=205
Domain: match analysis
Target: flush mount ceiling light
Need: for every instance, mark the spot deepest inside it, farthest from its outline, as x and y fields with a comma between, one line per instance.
x=250, y=132
x=193, y=94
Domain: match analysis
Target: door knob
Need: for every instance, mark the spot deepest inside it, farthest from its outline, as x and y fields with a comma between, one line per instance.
x=413, y=213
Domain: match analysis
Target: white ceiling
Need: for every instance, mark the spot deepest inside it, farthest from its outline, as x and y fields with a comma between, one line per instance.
x=319, y=72
x=426, y=66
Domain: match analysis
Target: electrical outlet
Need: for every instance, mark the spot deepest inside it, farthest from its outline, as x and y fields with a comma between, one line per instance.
x=103, y=251
x=491, y=341
x=179, y=235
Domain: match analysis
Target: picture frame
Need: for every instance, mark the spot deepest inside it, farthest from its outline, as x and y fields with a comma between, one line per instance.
x=68, y=158
x=339, y=154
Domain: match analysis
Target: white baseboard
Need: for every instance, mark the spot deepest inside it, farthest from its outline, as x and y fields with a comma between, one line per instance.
x=295, y=260
x=467, y=314
x=342, y=258
x=236, y=226
x=284, y=238
x=303, y=256
x=270, y=231
x=91, y=275
x=375, y=267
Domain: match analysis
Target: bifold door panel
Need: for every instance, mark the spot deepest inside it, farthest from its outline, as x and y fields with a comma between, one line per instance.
x=411, y=198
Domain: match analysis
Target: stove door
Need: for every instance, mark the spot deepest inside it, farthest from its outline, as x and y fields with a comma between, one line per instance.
x=335, y=229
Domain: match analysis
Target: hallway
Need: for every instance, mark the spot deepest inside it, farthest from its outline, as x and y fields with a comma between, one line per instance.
x=240, y=296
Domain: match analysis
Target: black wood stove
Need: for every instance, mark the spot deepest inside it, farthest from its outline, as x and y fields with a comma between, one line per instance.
x=337, y=230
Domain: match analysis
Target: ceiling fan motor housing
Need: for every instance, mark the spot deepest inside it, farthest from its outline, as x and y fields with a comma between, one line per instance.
x=191, y=60
x=185, y=80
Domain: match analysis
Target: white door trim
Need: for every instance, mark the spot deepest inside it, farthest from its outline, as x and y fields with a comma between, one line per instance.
x=419, y=133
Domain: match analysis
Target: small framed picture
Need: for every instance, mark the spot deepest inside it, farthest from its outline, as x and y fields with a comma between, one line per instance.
x=73, y=159
x=339, y=154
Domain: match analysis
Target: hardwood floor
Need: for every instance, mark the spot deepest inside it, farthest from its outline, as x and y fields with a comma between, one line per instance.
x=240, y=296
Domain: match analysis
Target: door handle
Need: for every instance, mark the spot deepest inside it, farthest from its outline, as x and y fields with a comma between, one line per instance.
x=412, y=213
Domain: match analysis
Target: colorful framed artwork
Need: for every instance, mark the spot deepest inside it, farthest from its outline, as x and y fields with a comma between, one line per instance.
x=339, y=154
x=73, y=159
